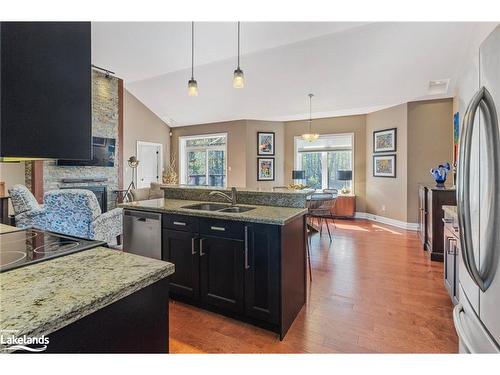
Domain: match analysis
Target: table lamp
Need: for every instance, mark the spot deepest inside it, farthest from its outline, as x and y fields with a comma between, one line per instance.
x=344, y=176
x=298, y=175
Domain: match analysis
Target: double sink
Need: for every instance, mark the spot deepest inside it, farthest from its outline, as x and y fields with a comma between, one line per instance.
x=219, y=207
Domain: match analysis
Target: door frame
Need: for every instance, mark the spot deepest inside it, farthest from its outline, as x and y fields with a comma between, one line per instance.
x=160, y=164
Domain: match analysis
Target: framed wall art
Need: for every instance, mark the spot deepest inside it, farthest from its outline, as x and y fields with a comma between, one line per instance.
x=265, y=169
x=385, y=140
x=265, y=143
x=384, y=165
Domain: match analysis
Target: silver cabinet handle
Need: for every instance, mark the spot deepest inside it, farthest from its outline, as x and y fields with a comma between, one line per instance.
x=193, y=251
x=247, y=266
x=201, y=247
x=220, y=229
x=181, y=223
x=483, y=100
x=447, y=221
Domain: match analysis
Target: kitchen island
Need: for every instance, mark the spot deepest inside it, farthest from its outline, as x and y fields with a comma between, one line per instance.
x=94, y=301
x=248, y=265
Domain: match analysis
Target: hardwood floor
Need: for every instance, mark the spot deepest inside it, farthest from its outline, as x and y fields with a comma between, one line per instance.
x=373, y=290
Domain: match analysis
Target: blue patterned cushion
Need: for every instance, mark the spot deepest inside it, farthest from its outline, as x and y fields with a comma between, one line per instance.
x=22, y=199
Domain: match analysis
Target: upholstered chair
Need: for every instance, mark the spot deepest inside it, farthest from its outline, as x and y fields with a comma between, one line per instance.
x=152, y=192
x=76, y=212
x=27, y=211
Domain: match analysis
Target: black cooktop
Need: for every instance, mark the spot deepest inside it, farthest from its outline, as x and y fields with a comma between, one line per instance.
x=28, y=246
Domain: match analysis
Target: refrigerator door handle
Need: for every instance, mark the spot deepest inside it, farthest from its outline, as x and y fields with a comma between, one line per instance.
x=483, y=100
x=458, y=310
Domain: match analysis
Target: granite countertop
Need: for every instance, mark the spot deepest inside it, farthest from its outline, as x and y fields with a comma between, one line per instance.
x=8, y=228
x=451, y=210
x=261, y=214
x=240, y=189
x=41, y=298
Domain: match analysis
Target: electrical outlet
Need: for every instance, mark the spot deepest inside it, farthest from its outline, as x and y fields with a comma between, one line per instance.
x=383, y=208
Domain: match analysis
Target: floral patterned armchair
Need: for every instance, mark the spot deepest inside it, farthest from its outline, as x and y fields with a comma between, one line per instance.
x=27, y=211
x=76, y=212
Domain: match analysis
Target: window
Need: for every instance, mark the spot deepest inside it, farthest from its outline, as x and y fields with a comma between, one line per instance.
x=322, y=159
x=203, y=160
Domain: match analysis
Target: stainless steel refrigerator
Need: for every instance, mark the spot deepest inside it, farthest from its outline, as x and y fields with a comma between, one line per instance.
x=477, y=315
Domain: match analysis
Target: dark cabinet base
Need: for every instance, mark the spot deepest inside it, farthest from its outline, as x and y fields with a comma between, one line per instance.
x=137, y=323
x=252, y=272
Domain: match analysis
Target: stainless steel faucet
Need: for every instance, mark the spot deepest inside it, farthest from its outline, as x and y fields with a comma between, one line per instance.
x=231, y=198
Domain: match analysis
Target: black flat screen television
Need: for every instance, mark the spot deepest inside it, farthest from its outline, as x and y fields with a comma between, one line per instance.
x=103, y=154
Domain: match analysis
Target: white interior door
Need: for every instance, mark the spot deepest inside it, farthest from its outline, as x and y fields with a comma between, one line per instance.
x=150, y=156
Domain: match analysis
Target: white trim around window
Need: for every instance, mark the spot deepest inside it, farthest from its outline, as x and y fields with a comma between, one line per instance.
x=183, y=150
x=324, y=144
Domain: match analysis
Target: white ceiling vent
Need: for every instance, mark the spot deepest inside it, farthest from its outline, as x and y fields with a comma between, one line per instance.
x=438, y=86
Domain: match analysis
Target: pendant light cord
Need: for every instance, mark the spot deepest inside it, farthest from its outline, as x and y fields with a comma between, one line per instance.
x=310, y=112
x=192, y=50
x=238, y=45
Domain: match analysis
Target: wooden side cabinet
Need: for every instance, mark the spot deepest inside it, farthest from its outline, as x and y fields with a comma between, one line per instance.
x=345, y=206
x=432, y=200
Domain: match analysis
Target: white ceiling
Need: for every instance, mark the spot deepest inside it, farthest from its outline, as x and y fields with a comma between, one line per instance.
x=351, y=68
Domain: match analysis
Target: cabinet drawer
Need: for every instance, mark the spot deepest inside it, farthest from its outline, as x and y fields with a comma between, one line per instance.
x=223, y=228
x=181, y=222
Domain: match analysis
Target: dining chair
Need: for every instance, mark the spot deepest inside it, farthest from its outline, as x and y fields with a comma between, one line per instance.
x=322, y=211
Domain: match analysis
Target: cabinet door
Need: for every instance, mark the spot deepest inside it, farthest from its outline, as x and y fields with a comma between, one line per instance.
x=262, y=272
x=181, y=248
x=221, y=273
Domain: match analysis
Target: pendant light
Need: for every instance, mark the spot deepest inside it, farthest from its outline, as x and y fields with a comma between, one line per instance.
x=192, y=84
x=310, y=136
x=238, y=78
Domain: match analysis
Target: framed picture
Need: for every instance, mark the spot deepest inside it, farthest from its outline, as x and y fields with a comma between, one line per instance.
x=265, y=143
x=265, y=169
x=385, y=140
x=384, y=165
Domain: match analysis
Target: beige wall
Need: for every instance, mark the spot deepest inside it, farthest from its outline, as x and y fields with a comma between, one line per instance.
x=333, y=125
x=11, y=174
x=387, y=196
x=430, y=143
x=140, y=124
x=236, y=146
x=254, y=126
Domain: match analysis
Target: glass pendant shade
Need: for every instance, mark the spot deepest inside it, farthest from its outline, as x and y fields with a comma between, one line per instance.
x=238, y=79
x=192, y=87
x=310, y=137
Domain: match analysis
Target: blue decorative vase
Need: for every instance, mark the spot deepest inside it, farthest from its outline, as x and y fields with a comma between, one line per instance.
x=440, y=173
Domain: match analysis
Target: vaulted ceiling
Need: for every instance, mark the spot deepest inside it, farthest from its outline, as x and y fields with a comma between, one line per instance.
x=351, y=67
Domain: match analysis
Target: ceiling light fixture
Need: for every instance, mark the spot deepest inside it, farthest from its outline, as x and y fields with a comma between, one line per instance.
x=310, y=136
x=239, y=77
x=192, y=84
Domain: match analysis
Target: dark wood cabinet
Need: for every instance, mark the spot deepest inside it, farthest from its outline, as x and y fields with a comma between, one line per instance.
x=181, y=249
x=222, y=268
x=431, y=202
x=248, y=271
x=46, y=109
x=262, y=273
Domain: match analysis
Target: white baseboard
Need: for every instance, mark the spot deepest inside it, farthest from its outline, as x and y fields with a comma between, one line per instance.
x=386, y=220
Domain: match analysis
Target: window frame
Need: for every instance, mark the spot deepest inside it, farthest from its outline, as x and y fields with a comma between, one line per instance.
x=183, y=155
x=297, y=161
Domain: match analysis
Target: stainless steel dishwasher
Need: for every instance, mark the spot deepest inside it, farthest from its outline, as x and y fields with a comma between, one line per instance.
x=142, y=233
